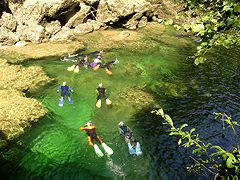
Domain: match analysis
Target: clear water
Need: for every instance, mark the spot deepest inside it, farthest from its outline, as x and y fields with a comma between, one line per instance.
x=54, y=148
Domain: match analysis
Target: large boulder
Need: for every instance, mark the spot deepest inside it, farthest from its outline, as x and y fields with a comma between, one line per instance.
x=112, y=11
x=53, y=27
x=79, y=17
x=35, y=11
x=83, y=29
x=7, y=37
x=8, y=21
x=34, y=33
x=64, y=35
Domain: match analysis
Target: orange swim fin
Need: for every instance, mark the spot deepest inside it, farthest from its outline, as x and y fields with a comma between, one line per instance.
x=96, y=67
x=109, y=72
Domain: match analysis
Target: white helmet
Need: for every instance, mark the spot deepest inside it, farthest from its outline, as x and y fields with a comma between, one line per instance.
x=121, y=123
x=89, y=123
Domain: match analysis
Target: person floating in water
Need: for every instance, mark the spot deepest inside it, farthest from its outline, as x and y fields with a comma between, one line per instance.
x=83, y=62
x=133, y=146
x=107, y=66
x=92, y=136
x=101, y=94
x=65, y=92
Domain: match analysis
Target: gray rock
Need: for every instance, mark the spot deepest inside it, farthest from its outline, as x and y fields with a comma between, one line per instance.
x=83, y=29
x=34, y=33
x=53, y=27
x=79, y=17
x=64, y=35
x=7, y=37
x=143, y=22
x=8, y=21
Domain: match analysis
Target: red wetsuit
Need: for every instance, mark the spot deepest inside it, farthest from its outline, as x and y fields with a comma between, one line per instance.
x=90, y=130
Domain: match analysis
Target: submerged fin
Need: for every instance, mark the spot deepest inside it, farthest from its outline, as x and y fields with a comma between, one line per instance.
x=71, y=68
x=108, y=102
x=76, y=70
x=60, y=102
x=97, y=150
x=107, y=149
x=98, y=104
x=131, y=150
x=138, y=149
x=70, y=100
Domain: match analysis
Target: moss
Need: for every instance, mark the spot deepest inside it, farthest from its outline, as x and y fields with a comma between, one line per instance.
x=17, y=112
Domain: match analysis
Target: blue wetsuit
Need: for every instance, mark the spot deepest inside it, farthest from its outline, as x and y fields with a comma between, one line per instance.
x=65, y=90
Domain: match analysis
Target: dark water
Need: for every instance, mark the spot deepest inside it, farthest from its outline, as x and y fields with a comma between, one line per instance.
x=54, y=148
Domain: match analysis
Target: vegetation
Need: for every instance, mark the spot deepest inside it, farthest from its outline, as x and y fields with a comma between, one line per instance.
x=17, y=111
x=208, y=158
x=218, y=24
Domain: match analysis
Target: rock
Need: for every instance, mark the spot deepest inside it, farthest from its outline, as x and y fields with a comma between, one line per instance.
x=96, y=25
x=124, y=34
x=79, y=17
x=83, y=29
x=53, y=27
x=65, y=34
x=33, y=33
x=133, y=22
x=8, y=21
x=8, y=37
x=143, y=22
x=21, y=43
x=37, y=11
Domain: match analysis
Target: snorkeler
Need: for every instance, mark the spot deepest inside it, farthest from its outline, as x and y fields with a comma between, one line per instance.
x=107, y=66
x=133, y=146
x=101, y=94
x=83, y=62
x=92, y=135
x=65, y=91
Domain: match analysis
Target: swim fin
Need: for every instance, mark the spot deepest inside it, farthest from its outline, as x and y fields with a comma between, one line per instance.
x=76, y=70
x=96, y=67
x=107, y=149
x=71, y=68
x=98, y=104
x=138, y=149
x=60, y=102
x=131, y=150
x=108, y=102
x=109, y=72
x=70, y=100
x=97, y=150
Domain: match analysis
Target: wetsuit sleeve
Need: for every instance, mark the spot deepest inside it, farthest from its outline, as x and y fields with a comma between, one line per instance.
x=70, y=89
x=59, y=89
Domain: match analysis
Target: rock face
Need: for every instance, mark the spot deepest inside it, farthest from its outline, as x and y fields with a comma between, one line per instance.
x=60, y=20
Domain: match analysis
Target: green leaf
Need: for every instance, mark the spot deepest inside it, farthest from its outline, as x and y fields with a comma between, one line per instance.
x=230, y=162
x=197, y=27
x=237, y=9
x=169, y=120
x=179, y=141
x=183, y=126
x=173, y=133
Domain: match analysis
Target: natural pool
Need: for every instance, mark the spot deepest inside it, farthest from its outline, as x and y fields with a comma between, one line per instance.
x=54, y=148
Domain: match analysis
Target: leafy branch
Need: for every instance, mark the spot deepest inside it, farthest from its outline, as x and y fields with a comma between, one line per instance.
x=220, y=162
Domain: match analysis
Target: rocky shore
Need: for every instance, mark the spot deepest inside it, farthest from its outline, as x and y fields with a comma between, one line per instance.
x=40, y=21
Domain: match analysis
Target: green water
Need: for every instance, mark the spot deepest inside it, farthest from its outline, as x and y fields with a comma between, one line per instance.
x=54, y=148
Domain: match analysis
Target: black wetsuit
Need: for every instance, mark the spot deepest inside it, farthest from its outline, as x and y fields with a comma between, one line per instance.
x=101, y=93
x=127, y=134
x=108, y=64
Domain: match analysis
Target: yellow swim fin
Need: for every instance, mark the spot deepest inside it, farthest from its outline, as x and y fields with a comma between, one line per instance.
x=76, y=70
x=108, y=102
x=71, y=68
x=99, y=103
